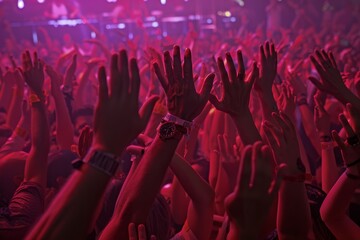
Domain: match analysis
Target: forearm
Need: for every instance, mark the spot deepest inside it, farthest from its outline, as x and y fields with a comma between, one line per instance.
x=333, y=209
x=197, y=188
x=5, y=96
x=329, y=170
x=83, y=81
x=36, y=164
x=68, y=217
x=246, y=128
x=307, y=118
x=293, y=219
x=179, y=202
x=14, y=113
x=268, y=105
x=64, y=126
x=137, y=199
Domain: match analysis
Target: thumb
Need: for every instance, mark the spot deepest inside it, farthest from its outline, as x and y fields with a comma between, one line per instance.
x=277, y=181
x=146, y=110
x=207, y=86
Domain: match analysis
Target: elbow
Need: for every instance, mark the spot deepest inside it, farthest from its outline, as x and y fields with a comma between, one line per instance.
x=327, y=215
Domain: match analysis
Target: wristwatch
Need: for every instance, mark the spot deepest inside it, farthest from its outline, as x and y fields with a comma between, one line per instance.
x=105, y=162
x=171, y=130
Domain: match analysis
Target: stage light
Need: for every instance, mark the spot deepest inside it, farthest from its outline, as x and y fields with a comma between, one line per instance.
x=20, y=4
x=227, y=14
x=41, y=1
x=163, y=2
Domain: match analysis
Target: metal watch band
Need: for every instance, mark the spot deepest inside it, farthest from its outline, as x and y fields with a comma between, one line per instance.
x=105, y=162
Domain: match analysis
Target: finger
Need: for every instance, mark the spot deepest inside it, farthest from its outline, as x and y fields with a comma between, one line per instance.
x=338, y=140
x=241, y=66
x=221, y=143
x=142, y=232
x=320, y=58
x=168, y=68
x=317, y=65
x=135, y=81
x=256, y=154
x=207, y=86
x=115, y=85
x=177, y=63
x=28, y=58
x=254, y=75
x=287, y=121
x=215, y=102
x=281, y=123
x=263, y=164
x=326, y=57
x=317, y=84
x=132, y=231
x=271, y=137
x=160, y=76
x=275, y=186
x=346, y=125
x=188, y=69
x=262, y=53
x=228, y=146
x=103, y=87
x=333, y=62
x=267, y=49
x=124, y=72
x=231, y=68
x=135, y=150
x=272, y=50
x=244, y=174
x=146, y=110
x=36, y=60
x=13, y=63
x=144, y=140
x=224, y=74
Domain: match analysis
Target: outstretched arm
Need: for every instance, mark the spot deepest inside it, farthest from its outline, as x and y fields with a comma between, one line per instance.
x=183, y=103
x=68, y=217
x=36, y=163
x=334, y=208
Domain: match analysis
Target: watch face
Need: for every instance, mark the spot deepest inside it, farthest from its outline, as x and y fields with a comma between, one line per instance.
x=167, y=130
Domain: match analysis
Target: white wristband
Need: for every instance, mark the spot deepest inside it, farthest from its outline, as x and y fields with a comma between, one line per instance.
x=171, y=118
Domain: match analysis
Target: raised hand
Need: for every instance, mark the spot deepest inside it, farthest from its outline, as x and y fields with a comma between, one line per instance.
x=33, y=71
x=286, y=102
x=55, y=78
x=268, y=68
x=350, y=149
x=117, y=118
x=248, y=205
x=321, y=117
x=282, y=139
x=331, y=80
x=182, y=99
x=236, y=90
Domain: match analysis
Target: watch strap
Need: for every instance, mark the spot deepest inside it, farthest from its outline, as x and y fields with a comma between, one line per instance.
x=105, y=162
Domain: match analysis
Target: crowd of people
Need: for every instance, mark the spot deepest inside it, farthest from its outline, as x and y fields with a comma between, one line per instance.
x=230, y=135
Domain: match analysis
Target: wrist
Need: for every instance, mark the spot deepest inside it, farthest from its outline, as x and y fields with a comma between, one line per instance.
x=110, y=148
